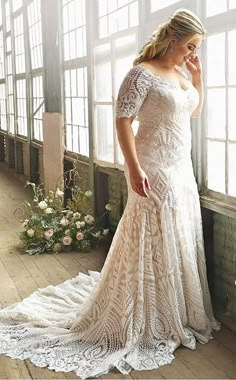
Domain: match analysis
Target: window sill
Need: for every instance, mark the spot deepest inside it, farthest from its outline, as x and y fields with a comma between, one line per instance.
x=221, y=206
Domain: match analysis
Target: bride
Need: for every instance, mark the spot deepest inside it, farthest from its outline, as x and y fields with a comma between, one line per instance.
x=152, y=293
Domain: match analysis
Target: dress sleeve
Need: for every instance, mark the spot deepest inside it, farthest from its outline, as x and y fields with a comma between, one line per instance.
x=132, y=92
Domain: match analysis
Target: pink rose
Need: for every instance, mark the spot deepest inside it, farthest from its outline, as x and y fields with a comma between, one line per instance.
x=79, y=236
x=48, y=234
x=67, y=240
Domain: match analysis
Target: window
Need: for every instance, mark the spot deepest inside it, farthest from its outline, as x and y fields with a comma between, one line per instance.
x=3, y=110
x=16, y=4
x=19, y=44
x=217, y=7
x=21, y=107
x=116, y=15
x=76, y=111
x=38, y=108
x=2, y=71
x=11, y=116
x=221, y=113
x=35, y=34
x=74, y=25
x=159, y=4
x=111, y=60
x=7, y=15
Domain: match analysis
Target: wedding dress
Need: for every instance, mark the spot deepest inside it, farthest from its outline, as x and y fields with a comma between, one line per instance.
x=152, y=293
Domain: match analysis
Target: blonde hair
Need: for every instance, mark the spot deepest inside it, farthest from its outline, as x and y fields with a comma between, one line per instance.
x=181, y=25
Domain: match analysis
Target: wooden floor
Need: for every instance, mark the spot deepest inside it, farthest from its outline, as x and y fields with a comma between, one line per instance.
x=21, y=274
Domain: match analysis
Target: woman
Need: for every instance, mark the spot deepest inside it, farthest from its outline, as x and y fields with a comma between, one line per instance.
x=152, y=294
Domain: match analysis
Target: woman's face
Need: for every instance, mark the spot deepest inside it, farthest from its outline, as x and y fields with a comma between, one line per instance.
x=184, y=49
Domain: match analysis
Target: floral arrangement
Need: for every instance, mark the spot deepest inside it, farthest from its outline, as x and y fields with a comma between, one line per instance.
x=51, y=227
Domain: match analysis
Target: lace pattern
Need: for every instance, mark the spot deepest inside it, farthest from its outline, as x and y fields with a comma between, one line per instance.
x=152, y=294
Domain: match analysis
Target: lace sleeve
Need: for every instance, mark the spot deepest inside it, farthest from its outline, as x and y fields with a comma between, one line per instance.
x=132, y=92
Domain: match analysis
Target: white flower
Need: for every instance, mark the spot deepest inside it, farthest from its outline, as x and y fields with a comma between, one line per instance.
x=79, y=236
x=78, y=225
x=64, y=221
x=59, y=193
x=48, y=234
x=108, y=207
x=26, y=221
x=49, y=210
x=106, y=231
x=82, y=224
x=57, y=247
x=76, y=215
x=67, y=232
x=88, y=193
x=31, y=232
x=89, y=219
x=67, y=240
x=42, y=205
x=97, y=234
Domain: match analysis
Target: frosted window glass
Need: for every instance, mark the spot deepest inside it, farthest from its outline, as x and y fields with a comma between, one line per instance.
x=104, y=132
x=214, y=7
x=216, y=113
x=232, y=113
x=103, y=85
x=216, y=166
x=216, y=61
x=232, y=169
x=232, y=56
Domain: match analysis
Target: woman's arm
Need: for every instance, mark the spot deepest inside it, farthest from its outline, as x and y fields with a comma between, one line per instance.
x=195, y=68
x=138, y=178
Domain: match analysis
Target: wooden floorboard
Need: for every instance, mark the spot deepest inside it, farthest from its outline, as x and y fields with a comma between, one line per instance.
x=21, y=274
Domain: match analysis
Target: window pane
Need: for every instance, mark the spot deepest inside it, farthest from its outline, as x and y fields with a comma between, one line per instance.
x=232, y=169
x=232, y=113
x=104, y=133
x=216, y=113
x=216, y=61
x=74, y=27
x=38, y=108
x=35, y=34
x=216, y=166
x=16, y=4
x=21, y=107
x=102, y=63
x=232, y=4
x=159, y=4
x=3, y=110
x=215, y=7
x=232, y=56
x=2, y=71
x=117, y=15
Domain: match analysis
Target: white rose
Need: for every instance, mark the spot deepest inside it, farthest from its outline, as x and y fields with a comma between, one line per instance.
x=31, y=232
x=88, y=193
x=64, y=221
x=67, y=232
x=106, y=231
x=49, y=210
x=42, y=205
x=108, y=207
x=82, y=224
x=59, y=193
x=89, y=219
x=78, y=224
x=76, y=215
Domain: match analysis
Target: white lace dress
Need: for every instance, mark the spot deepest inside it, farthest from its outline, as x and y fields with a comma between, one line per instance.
x=152, y=293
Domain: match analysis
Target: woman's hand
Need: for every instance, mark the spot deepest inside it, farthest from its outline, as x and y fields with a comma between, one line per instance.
x=139, y=182
x=194, y=66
